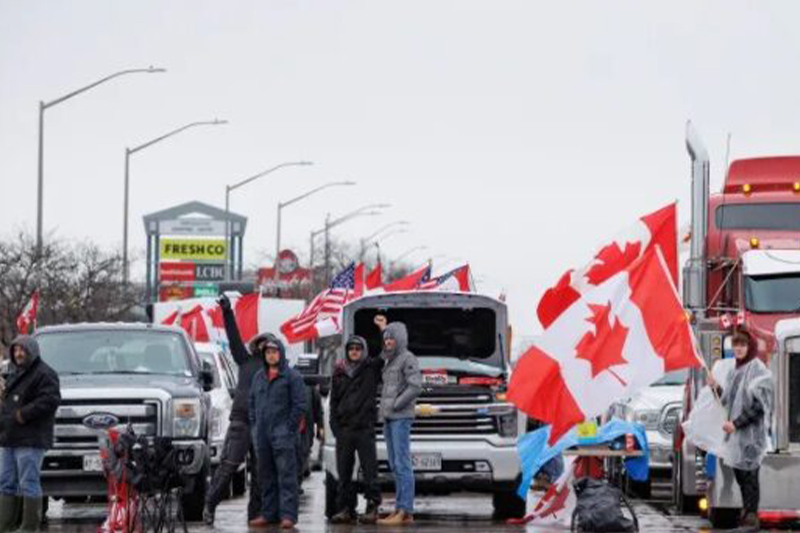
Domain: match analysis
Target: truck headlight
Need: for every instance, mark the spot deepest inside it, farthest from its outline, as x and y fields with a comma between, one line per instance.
x=186, y=417
x=216, y=423
x=508, y=425
x=648, y=418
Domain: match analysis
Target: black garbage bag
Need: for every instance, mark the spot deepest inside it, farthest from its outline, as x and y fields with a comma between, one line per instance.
x=599, y=508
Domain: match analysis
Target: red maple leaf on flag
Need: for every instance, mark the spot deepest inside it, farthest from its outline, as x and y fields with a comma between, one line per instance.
x=612, y=260
x=603, y=347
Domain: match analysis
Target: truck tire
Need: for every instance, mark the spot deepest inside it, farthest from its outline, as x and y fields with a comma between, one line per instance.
x=723, y=517
x=239, y=483
x=194, y=501
x=331, y=495
x=684, y=503
x=507, y=505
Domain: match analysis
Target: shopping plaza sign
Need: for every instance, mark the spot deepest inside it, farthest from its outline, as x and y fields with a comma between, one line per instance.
x=193, y=249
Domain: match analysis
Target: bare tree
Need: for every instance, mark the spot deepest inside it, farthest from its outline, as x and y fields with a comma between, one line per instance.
x=76, y=283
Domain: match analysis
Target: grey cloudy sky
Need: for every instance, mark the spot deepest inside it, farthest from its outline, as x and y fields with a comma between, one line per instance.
x=517, y=135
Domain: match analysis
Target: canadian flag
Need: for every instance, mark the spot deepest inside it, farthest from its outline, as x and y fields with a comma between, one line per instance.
x=656, y=229
x=617, y=338
x=245, y=309
x=410, y=282
x=195, y=322
x=27, y=317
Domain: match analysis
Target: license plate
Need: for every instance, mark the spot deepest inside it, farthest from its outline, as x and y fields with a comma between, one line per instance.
x=92, y=463
x=439, y=378
x=426, y=462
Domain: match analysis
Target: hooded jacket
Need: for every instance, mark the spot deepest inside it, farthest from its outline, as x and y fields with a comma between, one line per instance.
x=29, y=403
x=276, y=405
x=248, y=361
x=402, y=379
x=354, y=391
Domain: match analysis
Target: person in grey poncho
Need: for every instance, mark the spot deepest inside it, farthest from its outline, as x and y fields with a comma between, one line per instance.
x=748, y=396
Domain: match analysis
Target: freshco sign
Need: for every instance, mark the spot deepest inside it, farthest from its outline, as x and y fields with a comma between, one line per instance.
x=193, y=249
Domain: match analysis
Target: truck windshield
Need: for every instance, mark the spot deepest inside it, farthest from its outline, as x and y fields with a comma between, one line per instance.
x=676, y=377
x=452, y=338
x=776, y=293
x=783, y=216
x=115, y=352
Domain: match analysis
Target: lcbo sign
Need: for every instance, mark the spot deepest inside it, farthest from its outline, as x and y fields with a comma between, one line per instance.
x=209, y=272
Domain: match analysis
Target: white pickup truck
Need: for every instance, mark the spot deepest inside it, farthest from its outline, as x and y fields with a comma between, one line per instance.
x=465, y=434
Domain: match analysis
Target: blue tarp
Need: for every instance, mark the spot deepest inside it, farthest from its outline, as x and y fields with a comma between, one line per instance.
x=534, y=451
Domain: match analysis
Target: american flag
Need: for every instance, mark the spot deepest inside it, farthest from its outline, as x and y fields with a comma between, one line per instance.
x=322, y=316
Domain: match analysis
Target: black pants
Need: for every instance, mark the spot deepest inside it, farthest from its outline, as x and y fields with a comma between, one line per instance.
x=234, y=454
x=748, y=483
x=348, y=443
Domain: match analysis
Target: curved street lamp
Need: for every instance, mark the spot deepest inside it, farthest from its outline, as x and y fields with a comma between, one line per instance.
x=281, y=205
x=43, y=106
x=128, y=153
x=229, y=188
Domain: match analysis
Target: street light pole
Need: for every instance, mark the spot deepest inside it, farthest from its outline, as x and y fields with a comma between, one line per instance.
x=229, y=188
x=373, y=238
x=128, y=153
x=281, y=205
x=43, y=106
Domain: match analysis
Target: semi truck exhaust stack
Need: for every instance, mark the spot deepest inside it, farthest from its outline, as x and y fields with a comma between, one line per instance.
x=694, y=273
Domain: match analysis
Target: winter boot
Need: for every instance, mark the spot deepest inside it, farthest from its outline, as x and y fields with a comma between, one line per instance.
x=347, y=516
x=31, y=515
x=371, y=514
x=750, y=522
x=9, y=513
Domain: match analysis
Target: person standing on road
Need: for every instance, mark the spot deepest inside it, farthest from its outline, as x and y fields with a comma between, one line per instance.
x=30, y=398
x=277, y=404
x=748, y=396
x=353, y=417
x=402, y=384
x=237, y=443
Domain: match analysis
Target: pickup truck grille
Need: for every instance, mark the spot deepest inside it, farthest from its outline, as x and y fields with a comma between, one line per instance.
x=454, y=421
x=71, y=433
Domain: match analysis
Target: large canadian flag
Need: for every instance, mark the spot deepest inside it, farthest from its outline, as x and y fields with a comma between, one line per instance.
x=656, y=229
x=617, y=338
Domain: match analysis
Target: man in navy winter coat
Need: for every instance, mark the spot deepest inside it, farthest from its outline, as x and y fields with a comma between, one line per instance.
x=276, y=407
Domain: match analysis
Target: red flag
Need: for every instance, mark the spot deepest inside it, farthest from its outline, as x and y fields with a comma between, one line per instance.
x=194, y=323
x=172, y=319
x=410, y=282
x=656, y=229
x=27, y=317
x=375, y=278
x=618, y=338
x=246, y=310
x=458, y=279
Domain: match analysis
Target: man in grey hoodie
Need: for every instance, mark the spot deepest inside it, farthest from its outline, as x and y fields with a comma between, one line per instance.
x=402, y=384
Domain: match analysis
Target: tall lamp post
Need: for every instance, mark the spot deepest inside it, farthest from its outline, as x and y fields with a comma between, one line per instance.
x=281, y=205
x=43, y=106
x=367, y=210
x=128, y=153
x=229, y=188
x=373, y=238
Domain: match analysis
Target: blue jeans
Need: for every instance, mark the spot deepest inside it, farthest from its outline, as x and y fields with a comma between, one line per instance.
x=398, y=447
x=20, y=471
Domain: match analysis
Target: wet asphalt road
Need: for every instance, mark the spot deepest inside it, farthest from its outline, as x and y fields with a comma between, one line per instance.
x=435, y=514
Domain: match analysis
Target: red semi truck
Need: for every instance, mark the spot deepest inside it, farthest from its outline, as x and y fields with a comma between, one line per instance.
x=744, y=268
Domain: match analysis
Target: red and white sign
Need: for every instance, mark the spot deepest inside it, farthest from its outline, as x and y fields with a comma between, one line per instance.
x=619, y=337
x=172, y=271
x=289, y=272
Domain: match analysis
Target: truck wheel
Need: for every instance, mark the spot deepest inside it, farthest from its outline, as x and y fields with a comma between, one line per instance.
x=723, y=517
x=507, y=505
x=683, y=504
x=194, y=501
x=239, y=483
x=331, y=494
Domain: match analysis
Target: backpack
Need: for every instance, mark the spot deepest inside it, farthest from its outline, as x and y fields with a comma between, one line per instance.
x=599, y=508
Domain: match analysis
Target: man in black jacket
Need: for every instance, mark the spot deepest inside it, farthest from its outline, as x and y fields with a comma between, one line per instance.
x=27, y=416
x=353, y=417
x=237, y=443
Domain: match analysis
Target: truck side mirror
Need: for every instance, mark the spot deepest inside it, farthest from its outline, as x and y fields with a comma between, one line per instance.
x=207, y=376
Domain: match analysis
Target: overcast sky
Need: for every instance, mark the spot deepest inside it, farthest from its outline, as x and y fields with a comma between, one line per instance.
x=515, y=135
